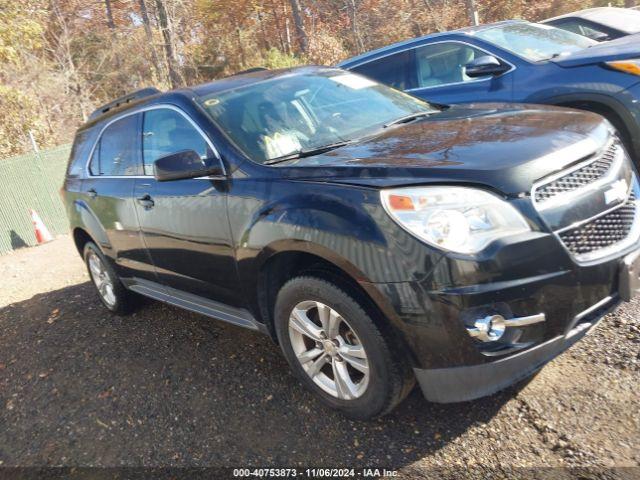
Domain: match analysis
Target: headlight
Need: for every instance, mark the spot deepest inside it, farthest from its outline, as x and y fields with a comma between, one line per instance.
x=631, y=66
x=459, y=219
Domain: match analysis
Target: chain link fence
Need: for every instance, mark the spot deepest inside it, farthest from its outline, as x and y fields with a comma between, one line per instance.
x=31, y=181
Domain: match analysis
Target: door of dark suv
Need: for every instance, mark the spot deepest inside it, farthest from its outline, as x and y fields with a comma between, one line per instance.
x=190, y=253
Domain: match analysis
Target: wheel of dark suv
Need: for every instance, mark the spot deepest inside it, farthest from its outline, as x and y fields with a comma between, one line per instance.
x=110, y=289
x=337, y=351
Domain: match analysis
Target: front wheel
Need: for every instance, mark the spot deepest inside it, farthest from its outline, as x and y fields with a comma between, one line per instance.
x=337, y=351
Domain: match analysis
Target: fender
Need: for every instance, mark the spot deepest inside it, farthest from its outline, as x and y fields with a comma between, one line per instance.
x=323, y=224
x=90, y=223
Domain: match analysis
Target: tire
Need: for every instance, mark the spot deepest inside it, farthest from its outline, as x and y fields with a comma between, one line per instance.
x=119, y=300
x=374, y=384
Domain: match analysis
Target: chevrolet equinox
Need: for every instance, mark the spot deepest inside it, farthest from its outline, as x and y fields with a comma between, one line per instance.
x=377, y=238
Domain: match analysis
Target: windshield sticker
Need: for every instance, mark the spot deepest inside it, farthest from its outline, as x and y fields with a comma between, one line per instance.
x=354, y=81
x=211, y=102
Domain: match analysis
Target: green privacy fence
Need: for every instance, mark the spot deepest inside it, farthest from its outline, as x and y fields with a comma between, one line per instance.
x=31, y=181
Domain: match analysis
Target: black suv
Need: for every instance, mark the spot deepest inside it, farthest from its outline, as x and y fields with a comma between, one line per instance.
x=379, y=239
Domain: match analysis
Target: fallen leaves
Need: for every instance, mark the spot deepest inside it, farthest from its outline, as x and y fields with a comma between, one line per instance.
x=53, y=316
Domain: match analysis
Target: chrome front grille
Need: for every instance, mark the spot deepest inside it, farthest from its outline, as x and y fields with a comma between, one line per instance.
x=593, y=207
x=602, y=232
x=575, y=179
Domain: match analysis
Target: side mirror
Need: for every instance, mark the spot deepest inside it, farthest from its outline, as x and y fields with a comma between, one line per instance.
x=184, y=164
x=485, y=66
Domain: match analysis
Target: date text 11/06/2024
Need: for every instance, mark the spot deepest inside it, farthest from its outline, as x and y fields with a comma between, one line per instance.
x=315, y=472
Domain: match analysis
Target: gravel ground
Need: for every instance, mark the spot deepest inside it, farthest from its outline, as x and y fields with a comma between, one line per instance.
x=163, y=387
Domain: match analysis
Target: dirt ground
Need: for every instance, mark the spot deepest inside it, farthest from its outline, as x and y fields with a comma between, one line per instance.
x=162, y=387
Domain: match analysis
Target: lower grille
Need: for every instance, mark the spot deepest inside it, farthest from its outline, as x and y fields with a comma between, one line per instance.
x=602, y=232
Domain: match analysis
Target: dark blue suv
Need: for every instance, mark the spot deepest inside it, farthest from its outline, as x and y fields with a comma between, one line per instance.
x=517, y=61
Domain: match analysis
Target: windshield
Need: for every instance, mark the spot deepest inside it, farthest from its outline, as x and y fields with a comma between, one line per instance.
x=302, y=112
x=534, y=42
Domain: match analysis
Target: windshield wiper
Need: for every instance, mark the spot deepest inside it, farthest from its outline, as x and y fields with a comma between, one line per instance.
x=408, y=118
x=308, y=152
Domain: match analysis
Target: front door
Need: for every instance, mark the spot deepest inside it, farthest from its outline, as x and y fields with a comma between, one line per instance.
x=441, y=77
x=184, y=222
x=436, y=72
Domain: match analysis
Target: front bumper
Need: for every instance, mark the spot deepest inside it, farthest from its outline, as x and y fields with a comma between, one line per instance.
x=459, y=384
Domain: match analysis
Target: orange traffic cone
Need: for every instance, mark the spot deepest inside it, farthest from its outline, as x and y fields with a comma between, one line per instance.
x=42, y=234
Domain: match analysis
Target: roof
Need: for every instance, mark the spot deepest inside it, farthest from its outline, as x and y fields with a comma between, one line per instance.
x=411, y=41
x=623, y=19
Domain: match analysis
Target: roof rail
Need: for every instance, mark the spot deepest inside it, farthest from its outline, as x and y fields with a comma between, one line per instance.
x=249, y=70
x=137, y=95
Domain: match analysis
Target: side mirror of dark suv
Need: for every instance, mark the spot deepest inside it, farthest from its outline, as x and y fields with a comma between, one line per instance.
x=185, y=164
x=485, y=66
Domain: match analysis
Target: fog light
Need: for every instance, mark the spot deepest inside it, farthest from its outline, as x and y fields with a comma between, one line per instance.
x=488, y=329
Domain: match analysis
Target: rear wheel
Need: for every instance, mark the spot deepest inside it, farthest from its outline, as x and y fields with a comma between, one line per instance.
x=337, y=351
x=110, y=289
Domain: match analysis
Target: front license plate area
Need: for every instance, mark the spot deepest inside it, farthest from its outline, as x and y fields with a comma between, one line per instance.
x=630, y=276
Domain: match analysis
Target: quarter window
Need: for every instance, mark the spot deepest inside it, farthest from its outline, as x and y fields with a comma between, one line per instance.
x=444, y=63
x=116, y=153
x=165, y=132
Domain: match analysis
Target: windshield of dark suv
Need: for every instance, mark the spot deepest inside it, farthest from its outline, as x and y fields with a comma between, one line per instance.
x=303, y=114
x=534, y=42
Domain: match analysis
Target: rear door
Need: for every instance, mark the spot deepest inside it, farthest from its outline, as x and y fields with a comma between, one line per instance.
x=436, y=72
x=184, y=222
x=107, y=206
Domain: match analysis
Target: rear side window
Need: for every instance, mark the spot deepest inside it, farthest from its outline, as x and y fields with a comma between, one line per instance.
x=397, y=70
x=166, y=131
x=117, y=152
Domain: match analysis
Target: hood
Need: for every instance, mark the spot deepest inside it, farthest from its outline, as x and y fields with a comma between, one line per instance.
x=505, y=147
x=618, y=49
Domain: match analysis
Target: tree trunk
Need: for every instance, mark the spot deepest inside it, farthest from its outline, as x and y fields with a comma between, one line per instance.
x=276, y=19
x=296, y=11
x=353, y=18
x=149, y=34
x=110, y=22
x=472, y=12
x=167, y=35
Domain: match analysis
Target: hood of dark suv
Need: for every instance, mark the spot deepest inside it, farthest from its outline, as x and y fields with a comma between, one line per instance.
x=506, y=147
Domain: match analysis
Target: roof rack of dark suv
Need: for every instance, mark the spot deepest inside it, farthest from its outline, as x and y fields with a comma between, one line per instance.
x=129, y=97
x=249, y=70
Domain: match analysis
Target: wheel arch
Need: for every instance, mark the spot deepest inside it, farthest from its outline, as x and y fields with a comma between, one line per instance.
x=80, y=238
x=317, y=261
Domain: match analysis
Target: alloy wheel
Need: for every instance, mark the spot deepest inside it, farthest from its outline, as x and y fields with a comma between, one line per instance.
x=101, y=279
x=329, y=350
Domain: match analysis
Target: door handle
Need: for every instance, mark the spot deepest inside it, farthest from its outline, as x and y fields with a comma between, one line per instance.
x=146, y=201
x=92, y=193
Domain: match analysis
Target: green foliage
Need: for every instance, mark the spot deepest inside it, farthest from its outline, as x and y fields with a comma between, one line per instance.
x=20, y=29
x=274, y=58
x=18, y=115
